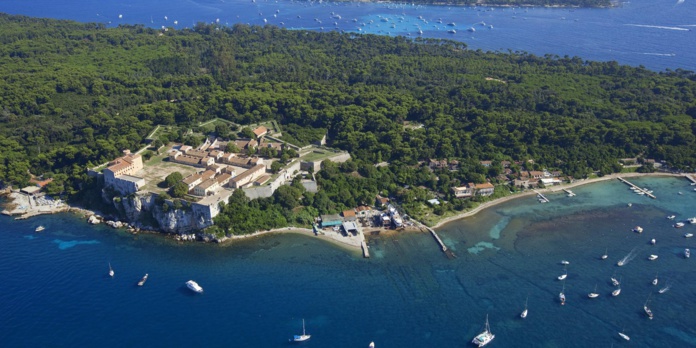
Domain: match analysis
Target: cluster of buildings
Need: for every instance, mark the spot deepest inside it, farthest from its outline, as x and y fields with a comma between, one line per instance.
x=120, y=173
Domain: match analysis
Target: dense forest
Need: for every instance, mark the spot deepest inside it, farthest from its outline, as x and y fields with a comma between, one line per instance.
x=511, y=3
x=75, y=95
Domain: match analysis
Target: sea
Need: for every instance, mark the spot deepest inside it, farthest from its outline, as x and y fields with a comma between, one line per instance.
x=57, y=292
x=656, y=34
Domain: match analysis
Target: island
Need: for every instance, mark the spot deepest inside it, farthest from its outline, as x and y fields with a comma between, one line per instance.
x=220, y=132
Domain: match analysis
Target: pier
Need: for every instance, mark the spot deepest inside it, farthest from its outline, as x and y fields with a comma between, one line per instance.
x=691, y=178
x=542, y=198
x=366, y=253
x=637, y=188
x=439, y=241
x=569, y=192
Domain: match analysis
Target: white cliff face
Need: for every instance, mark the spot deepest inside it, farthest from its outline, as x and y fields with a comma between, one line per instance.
x=180, y=221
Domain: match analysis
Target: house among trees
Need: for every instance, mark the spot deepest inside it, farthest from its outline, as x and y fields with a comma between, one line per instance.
x=464, y=191
x=485, y=189
x=260, y=131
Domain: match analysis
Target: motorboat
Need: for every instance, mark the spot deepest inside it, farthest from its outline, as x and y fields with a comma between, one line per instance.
x=653, y=241
x=621, y=263
x=615, y=282
x=692, y=220
x=624, y=336
x=663, y=290
x=111, y=271
x=484, y=337
x=652, y=257
x=647, y=310
x=143, y=280
x=303, y=337
x=687, y=253
x=688, y=235
x=194, y=286
x=679, y=225
x=452, y=31
x=605, y=255
x=563, y=276
x=638, y=229
x=671, y=217
x=39, y=229
x=564, y=262
x=616, y=292
x=471, y=29
x=371, y=345
x=654, y=282
x=593, y=294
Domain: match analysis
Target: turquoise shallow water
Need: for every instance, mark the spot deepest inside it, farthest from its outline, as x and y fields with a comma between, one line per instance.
x=57, y=293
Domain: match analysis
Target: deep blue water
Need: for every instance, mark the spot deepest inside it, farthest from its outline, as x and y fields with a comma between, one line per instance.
x=56, y=291
x=657, y=34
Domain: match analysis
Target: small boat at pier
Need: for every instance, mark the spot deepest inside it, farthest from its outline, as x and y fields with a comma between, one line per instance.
x=143, y=280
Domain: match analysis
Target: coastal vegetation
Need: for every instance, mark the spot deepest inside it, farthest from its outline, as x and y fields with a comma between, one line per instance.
x=75, y=95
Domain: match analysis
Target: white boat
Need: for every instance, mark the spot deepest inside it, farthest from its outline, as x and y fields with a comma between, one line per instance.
x=671, y=217
x=563, y=276
x=484, y=337
x=39, y=229
x=303, y=337
x=638, y=229
x=616, y=292
x=111, y=270
x=665, y=289
x=615, y=282
x=688, y=235
x=471, y=29
x=624, y=336
x=620, y=263
x=605, y=255
x=679, y=225
x=564, y=262
x=561, y=296
x=630, y=204
x=653, y=241
x=143, y=280
x=452, y=31
x=593, y=294
x=372, y=345
x=524, y=312
x=654, y=282
x=692, y=220
x=652, y=257
x=687, y=253
x=647, y=310
x=194, y=286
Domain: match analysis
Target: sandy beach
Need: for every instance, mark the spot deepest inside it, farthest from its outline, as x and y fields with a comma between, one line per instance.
x=349, y=243
x=549, y=189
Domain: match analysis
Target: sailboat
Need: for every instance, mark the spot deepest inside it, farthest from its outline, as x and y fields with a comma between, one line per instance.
x=654, y=282
x=561, y=296
x=303, y=337
x=485, y=337
x=524, y=312
x=372, y=345
x=614, y=282
x=647, y=310
x=605, y=255
x=111, y=270
x=593, y=294
x=143, y=280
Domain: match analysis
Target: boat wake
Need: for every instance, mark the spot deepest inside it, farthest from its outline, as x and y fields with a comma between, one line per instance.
x=628, y=258
x=659, y=54
x=658, y=27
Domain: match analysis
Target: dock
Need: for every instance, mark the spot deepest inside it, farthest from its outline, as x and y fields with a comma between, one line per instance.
x=691, y=178
x=366, y=253
x=637, y=188
x=439, y=241
x=569, y=192
x=542, y=198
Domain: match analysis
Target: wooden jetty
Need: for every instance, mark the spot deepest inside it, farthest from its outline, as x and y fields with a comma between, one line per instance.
x=366, y=253
x=636, y=187
x=542, y=197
